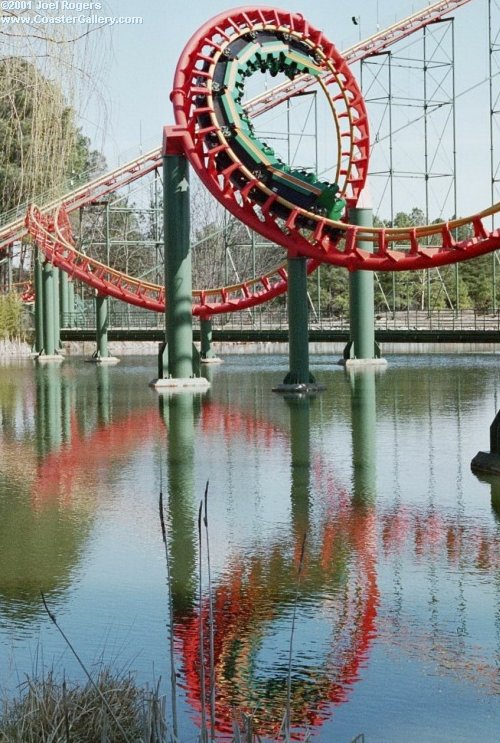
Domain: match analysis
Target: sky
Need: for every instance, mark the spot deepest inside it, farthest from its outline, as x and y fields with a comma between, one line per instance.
x=138, y=64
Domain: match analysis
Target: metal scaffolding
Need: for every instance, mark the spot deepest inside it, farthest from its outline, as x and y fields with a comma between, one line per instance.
x=410, y=94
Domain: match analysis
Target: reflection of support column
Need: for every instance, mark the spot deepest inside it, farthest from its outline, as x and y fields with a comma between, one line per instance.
x=301, y=462
x=206, y=352
x=50, y=342
x=178, y=413
x=364, y=421
x=362, y=349
x=101, y=355
x=103, y=396
x=177, y=359
x=299, y=378
x=66, y=409
x=37, y=270
x=49, y=409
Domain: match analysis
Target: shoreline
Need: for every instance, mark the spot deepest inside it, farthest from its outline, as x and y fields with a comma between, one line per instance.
x=74, y=349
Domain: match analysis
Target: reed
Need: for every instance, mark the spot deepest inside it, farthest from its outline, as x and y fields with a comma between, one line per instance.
x=48, y=710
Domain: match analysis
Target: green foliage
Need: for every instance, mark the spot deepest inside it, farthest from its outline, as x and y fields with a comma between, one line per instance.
x=333, y=284
x=41, y=149
x=12, y=318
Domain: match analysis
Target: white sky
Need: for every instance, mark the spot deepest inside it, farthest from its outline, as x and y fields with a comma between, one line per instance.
x=141, y=63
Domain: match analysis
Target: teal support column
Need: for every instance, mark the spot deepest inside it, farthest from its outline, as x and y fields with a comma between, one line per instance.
x=38, y=281
x=207, y=354
x=299, y=379
x=178, y=277
x=361, y=346
x=48, y=294
x=101, y=326
x=57, y=309
x=206, y=338
x=178, y=359
x=71, y=301
x=101, y=354
x=63, y=298
x=298, y=324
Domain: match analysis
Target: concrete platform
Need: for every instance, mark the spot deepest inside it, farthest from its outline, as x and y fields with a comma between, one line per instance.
x=103, y=360
x=361, y=363
x=45, y=359
x=299, y=389
x=486, y=463
x=214, y=360
x=193, y=384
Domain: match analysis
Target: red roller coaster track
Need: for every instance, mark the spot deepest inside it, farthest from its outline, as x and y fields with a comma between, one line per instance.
x=299, y=231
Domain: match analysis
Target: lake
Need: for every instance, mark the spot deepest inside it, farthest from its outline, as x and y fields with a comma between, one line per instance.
x=351, y=552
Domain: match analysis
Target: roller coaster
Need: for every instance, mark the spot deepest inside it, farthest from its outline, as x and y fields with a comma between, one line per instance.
x=293, y=208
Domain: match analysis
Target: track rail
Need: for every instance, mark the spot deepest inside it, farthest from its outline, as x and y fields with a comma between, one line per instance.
x=53, y=235
x=264, y=193
x=92, y=191
x=134, y=169
x=375, y=44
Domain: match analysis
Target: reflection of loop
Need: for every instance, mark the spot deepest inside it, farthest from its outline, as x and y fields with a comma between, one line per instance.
x=258, y=590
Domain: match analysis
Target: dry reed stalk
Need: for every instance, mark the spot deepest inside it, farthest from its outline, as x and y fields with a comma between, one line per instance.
x=54, y=621
x=211, y=627
x=288, y=711
x=173, y=677
x=203, y=731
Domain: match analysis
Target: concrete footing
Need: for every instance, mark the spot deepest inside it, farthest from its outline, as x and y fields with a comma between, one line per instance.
x=486, y=462
x=310, y=388
x=103, y=360
x=212, y=360
x=195, y=384
x=43, y=358
x=360, y=363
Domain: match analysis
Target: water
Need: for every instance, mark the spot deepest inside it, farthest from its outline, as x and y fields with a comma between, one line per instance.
x=396, y=601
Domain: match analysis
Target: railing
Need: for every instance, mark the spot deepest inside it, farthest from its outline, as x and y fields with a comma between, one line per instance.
x=277, y=319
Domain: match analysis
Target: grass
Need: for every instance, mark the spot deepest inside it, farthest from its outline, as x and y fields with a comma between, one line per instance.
x=52, y=711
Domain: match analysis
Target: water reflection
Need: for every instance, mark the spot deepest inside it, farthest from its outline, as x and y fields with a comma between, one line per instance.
x=401, y=556
x=177, y=412
x=42, y=531
x=255, y=595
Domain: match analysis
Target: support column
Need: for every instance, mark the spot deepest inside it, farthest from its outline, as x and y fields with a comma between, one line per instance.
x=63, y=298
x=37, y=271
x=57, y=309
x=101, y=354
x=176, y=364
x=362, y=349
x=299, y=379
x=50, y=341
x=71, y=301
x=207, y=354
